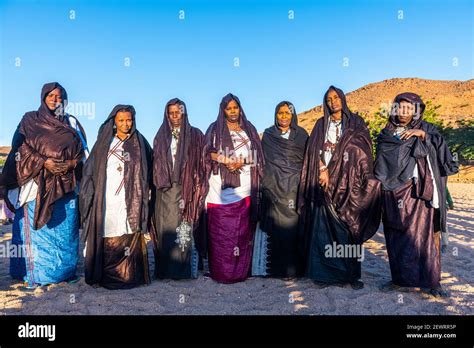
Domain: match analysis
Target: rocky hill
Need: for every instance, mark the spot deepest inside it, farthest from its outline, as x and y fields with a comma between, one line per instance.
x=456, y=99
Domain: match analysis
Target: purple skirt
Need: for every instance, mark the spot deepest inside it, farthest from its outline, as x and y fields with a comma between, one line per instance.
x=230, y=239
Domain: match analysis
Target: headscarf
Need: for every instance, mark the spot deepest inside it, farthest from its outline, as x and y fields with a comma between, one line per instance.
x=60, y=110
x=416, y=101
x=294, y=117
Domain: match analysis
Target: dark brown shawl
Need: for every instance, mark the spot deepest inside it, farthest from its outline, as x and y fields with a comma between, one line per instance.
x=187, y=168
x=353, y=190
x=41, y=135
x=218, y=139
x=137, y=174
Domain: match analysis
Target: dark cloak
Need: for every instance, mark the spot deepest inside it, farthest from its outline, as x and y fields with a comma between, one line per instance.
x=281, y=178
x=412, y=229
x=137, y=176
x=41, y=135
x=217, y=139
x=178, y=197
x=349, y=211
x=396, y=159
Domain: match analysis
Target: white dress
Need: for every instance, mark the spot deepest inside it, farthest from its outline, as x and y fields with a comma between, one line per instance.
x=217, y=195
x=287, y=134
x=174, y=147
x=115, y=221
x=334, y=129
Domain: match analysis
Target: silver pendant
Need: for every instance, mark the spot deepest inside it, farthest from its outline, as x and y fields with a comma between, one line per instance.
x=183, y=235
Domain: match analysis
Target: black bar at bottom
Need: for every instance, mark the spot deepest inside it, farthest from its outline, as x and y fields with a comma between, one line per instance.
x=291, y=330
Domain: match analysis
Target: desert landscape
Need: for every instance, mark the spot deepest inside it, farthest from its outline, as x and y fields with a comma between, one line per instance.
x=257, y=295
x=455, y=98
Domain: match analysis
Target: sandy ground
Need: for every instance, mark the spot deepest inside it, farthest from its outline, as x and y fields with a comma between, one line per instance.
x=265, y=295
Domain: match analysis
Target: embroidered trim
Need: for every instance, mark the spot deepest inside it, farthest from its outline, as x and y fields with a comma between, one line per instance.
x=29, y=253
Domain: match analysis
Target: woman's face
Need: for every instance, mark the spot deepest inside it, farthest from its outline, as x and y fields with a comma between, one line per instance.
x=123, y=122
x=333, y=101
x=54, y=99
x=175, y=114
x=232, y=111
x=406, y=110
x=284, y=116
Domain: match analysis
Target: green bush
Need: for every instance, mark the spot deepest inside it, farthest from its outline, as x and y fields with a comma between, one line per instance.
x=461, y=140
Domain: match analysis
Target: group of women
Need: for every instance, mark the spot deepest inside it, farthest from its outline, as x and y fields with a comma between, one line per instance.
x=284, y=205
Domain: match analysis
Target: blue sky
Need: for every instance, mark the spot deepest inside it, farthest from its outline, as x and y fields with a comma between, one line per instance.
x=193, y=58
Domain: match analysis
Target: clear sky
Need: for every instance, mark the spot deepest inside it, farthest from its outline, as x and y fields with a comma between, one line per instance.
x=144, y=53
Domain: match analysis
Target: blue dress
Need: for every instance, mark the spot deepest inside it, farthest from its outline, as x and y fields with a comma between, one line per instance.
x=50, y=254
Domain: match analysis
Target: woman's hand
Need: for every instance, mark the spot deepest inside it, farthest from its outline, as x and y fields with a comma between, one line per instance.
x=55, y=167
x=234, y=166
x=413, y=133
x=71, y=165
x=60, y=167
x=324, y=178
x=232, y=163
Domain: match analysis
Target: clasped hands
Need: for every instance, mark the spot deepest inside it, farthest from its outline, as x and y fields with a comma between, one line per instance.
x=233, y=164
x=58, y=167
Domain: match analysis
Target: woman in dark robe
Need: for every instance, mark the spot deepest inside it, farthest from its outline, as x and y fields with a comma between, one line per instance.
x=41, y=175
x=177, y=150
x=413, y=162
x=233, y=163
x=283, y=147
x=339, y=198
x=114, y=200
